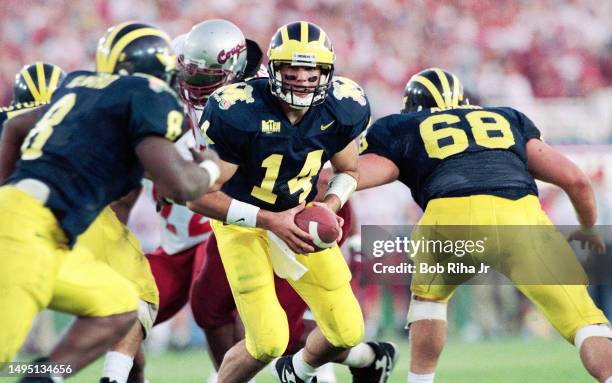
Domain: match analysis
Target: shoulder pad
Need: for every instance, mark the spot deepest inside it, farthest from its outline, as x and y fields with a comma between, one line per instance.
x=230, y=95
x=345, y=88
x=155, y=84
x=347, y=100
x=508, y=111
x=234, y=104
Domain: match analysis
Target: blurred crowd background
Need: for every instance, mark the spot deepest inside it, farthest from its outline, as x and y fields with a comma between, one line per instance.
x=549, y=58
x=506, y=49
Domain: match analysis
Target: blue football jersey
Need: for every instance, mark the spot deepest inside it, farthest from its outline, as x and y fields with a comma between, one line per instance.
x=279, y=163
x=83, y=146
x=457, y=152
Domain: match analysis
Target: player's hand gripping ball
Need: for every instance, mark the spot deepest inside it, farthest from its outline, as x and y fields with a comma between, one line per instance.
x=321, y=223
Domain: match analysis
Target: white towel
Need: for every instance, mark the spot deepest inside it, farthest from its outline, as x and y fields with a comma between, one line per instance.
x=284, y=262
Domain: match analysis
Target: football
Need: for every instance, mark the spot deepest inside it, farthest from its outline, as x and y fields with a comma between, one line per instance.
x=321, y=224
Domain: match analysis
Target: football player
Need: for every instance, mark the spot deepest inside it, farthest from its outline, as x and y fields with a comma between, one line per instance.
x=212, y=54
x=184, y=246
x=273, y=136
x=469, y=165
x=33, y=86
x=88, y=149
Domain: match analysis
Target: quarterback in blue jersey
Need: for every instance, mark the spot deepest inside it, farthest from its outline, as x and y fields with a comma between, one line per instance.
x=472, y=165
x=273, y=136
x=90, y=147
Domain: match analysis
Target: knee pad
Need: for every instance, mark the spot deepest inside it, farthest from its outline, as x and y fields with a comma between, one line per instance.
x=350, y=337
x=266, y=348
x=585, y=332
x=425, y=310
x=147, y=312
x=346, y=333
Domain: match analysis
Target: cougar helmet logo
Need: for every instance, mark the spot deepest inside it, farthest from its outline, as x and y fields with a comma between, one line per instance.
x=223, y=56
x=213, y=54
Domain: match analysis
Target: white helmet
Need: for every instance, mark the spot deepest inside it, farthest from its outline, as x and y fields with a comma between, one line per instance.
x=178, y=43
x=214, y=53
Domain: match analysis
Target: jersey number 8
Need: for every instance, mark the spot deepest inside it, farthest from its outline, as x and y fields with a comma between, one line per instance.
x=32, y=146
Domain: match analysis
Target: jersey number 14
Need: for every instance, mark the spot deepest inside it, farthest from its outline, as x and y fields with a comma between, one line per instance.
x=302, y=181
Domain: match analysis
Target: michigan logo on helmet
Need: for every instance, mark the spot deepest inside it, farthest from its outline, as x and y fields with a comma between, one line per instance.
x=213, y=54
x=301, y=44
x=347, y=88
x=431, y=88
x=134, y=47
x=231, y=94
x=36, y=82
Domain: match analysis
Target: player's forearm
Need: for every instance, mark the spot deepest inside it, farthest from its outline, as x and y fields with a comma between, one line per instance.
x=375, y=170
x=173, y=176
x=343, y=183
x=214, y=205
x=346, y=161
x=124, y=205
x=14, y=133
x=217, y=204
x=9, y=154
x=186, y=184
x=333, y=202
x=582, y=197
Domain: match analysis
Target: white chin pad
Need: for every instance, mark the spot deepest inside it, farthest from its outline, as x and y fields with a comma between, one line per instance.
x=602, y=330
x=425, y=310
x=297, y=101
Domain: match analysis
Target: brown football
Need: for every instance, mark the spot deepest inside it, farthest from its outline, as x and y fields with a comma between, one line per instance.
x=321, y=224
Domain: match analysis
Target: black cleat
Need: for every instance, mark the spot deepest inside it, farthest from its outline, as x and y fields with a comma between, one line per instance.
x=282, y=369
x=379, y=371
x=107, y=380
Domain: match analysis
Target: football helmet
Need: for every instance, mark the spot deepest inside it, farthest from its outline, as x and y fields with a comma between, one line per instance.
x=254, y=59
x=178, y=43
x=213, y=54
x=433, y=87
x=306, y=45
x=134, y=47
x=36, y=82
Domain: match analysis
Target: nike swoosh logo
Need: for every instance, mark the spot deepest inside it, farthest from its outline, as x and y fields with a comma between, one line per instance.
x=324, y=127
x=288, y=377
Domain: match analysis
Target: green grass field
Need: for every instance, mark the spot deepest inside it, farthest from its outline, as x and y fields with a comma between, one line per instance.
x=502, y=361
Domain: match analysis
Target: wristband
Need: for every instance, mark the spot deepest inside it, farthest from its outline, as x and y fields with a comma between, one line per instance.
x=242, y=214
x=213, y=171
x=588, y=230
x=342, y=186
